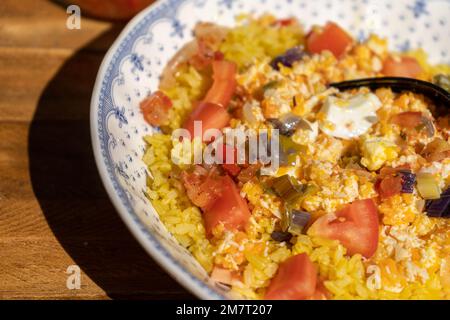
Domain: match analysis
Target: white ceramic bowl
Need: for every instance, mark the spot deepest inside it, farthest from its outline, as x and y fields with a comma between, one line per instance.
x=132, y=66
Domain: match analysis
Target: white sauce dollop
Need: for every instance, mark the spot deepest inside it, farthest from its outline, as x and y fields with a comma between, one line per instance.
x=349, y=118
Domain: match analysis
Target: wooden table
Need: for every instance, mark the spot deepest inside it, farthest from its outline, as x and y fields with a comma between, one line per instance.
x=54, y=211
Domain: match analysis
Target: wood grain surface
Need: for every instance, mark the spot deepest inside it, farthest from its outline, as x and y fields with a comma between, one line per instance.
x=54, y=211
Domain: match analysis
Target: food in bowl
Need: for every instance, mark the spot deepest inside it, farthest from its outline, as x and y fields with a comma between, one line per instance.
x=357, y=205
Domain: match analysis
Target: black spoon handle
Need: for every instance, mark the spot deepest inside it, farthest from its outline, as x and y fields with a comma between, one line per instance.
x=428, y=89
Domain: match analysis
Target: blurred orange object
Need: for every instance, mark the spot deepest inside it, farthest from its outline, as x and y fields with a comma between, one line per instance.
x=112, y=9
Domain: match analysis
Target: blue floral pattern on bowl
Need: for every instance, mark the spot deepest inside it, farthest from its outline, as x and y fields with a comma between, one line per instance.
x=131, y=70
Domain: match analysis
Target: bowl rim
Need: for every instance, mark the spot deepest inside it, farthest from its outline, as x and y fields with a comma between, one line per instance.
x=146, y=239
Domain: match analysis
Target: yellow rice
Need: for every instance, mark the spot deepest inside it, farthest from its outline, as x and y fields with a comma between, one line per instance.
x=345, y=277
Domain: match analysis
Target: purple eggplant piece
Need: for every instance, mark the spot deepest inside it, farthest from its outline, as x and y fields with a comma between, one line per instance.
x=408, y=181
x=281, y=236
x=286, y=124
x=439, y=208
x=288, y=58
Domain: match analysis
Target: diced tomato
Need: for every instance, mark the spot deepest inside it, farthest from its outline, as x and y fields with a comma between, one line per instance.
x=355, y=226
x=404, y=67
x=211, y=115
x=321, y=292
x=392, y=181
x=229, y=153
x=284, y=22
x=230, y=209
x=203, y=187
x=224, y=85
x=155, y=108
x=218, y=55
x=409, y=119
x=332, y=38
x=295, y=279
x=230, y=167
x=389, y=186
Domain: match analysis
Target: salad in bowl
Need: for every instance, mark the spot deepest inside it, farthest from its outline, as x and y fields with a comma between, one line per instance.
x=292, y=160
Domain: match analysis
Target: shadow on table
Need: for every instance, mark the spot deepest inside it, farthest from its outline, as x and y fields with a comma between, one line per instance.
x=66, y=183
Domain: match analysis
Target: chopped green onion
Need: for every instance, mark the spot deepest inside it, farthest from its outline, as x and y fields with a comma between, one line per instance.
x=288, y=188
x=270, y=85
x=285, y=220
x=298, y=221
x=294, y=221
x=428, y=186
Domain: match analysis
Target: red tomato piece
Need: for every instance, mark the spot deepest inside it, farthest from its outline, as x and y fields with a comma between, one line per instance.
x=321, y=292
x=389, y=186
x=284, y=22
x=409, y=119
x=229, y=154
x=405, y=67
x=230, y=167
x=355, y=226
x=203, y=187
x=332, y=38
x=224, y=84
x=155, y=108
x=230, y=209
x=218, y=55
x=296, y=279
x=211, y=115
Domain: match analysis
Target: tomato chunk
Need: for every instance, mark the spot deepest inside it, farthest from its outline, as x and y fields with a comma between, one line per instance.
x=295, y=279
x=211, y=115
x=284, y=22
x=332, y=38
x=321, y=292
x=409, y=119
x=155, y=108
x=224, y=84
x=392, y=181
x=230, y=209
x=389, y=186
x=203, y=187
x=230, y=167
x=407, y=67
x=355, y=226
